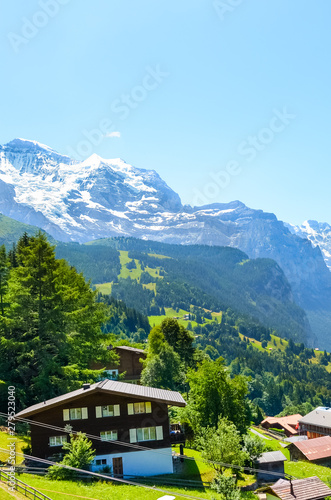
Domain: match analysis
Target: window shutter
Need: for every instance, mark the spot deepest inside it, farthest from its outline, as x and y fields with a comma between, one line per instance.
x=84, y=413
x=159, y=432
x=98, y=412
x=116, y=410
x=148, y=407
x=66, y=415
x=133, y=435
x=130, y=409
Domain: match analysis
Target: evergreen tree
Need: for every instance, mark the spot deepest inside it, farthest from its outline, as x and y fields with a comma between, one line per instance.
x=52, y=330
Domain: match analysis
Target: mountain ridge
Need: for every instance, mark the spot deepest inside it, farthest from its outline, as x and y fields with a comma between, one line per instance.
x=97, y=198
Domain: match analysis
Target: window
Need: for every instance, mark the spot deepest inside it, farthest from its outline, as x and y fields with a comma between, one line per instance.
x=107, y=411
x=57, y=440
x=108, y=435
x=141, y=407
x=146, y=434
x=102, y=461
x=75, y=414
x=112, y=374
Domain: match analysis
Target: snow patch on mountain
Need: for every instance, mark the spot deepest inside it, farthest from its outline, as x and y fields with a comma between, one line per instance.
x=319, y=233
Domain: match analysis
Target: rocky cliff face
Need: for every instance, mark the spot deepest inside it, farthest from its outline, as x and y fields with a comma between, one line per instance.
x=100, y=198
x=319, y=233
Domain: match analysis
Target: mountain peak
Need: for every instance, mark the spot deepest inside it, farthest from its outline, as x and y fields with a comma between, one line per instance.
x=31, y=146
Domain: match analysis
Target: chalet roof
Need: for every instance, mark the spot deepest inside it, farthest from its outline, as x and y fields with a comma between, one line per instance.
x=311, y=488
x=315, y=449
x=321, y=417
x=110, y=387
x=270, y=457
x=128, y=348
x=287, y=423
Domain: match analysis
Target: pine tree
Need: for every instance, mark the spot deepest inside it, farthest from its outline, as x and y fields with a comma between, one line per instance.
x=52, y=330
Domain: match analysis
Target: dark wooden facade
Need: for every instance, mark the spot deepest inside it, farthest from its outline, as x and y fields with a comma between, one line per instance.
x=129, y=363
x=93, y=425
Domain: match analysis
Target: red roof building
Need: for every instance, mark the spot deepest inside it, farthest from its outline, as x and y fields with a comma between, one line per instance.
x=316, y=450
x=289, y=424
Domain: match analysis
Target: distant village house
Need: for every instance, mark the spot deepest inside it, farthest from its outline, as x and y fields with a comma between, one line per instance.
x=289, y=424
x=316, y=450
x=317, y=423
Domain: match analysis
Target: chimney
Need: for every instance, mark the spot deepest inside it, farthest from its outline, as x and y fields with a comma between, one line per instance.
x=110, y=347
x=86, y=386
x=292, y=489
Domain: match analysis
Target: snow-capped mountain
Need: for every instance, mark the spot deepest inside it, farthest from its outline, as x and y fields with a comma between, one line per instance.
x=78, y=200
x=98, y=198
x=319, y=233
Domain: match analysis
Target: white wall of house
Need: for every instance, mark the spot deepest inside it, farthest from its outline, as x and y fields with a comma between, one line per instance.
x=140, y=463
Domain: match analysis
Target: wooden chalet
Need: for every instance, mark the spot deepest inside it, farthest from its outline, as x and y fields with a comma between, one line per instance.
x=129, y=364
x=123, y=416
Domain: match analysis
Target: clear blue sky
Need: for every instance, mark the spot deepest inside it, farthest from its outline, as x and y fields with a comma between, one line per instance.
x=221, y=76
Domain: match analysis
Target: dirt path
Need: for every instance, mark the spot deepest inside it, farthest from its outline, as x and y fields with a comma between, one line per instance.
x=13, y=494
x=68, y=494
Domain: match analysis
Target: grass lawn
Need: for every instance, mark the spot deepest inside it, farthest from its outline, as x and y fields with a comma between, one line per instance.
x=171, y=313
x=276, y=340
x=155, y=272
x=129, y=273
x=104, y=288
x=61, y=490
x=158, y=256
x=5, y=439
x=150, y=286
x=69, y=490
x=305, y=469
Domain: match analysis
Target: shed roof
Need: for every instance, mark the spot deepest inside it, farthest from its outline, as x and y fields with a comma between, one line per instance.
x=321, y=417
x=314, y=449
x=311, y=488
x=271, y=456
x=110, y=387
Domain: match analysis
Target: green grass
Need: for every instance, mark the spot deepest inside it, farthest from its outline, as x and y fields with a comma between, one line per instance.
x=305, y=469
x=134, y=274
x=154, y=272
x=5, y=494
x=171, y=313
x=158, y=256
x=196, y=469
x=150, y=286
x=5, y=439
x=66, y=490
x=104, y=288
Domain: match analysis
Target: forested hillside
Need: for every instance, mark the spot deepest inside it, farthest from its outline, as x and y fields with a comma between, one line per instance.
x=150, y=276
